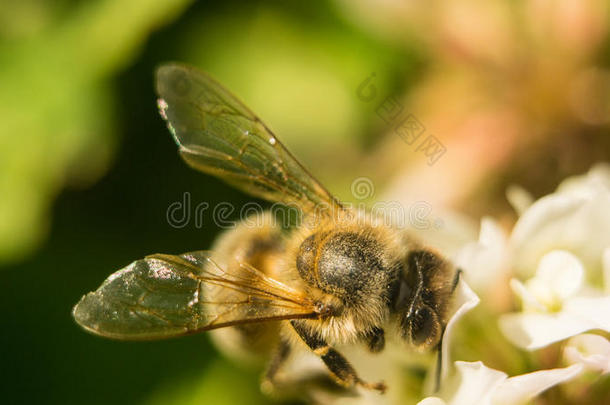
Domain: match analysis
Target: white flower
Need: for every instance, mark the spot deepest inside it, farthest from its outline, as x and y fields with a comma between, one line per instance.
x=575, y=218
x=519, y=198
x=593, y=351
x=481, y=385
x=485, y=260
x=557, y=304
x=565, y=239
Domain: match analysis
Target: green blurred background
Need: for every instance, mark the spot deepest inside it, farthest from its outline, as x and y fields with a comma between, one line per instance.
x=88, y=169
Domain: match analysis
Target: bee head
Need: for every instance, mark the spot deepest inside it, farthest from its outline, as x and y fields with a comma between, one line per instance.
x=423, y=298
x=349, y=265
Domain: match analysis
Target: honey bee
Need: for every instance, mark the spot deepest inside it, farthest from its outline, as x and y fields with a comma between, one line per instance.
x=339, y=277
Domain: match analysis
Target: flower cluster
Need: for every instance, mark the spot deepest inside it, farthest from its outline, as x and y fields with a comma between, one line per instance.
x=556, y=261
x=560, y=249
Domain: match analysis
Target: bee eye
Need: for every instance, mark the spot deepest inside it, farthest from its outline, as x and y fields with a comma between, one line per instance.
x=306, y=258
x=424, y=327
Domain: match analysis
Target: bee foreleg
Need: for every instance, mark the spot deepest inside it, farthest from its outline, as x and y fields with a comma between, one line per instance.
x=375, y=339
x=279, y=357
x=338, y=365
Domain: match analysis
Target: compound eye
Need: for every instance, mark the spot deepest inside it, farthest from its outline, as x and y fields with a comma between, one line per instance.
x=306, y=258
x=424, y=327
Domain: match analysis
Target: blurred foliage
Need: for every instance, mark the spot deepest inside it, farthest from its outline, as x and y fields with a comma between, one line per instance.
x=58, y=116
x=222, y=383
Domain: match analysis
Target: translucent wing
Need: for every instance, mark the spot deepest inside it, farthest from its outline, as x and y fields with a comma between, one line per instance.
x=219, y=135
x=163, y=296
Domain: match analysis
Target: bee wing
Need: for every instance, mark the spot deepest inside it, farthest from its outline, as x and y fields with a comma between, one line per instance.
x=217, y=134
x=162, y=296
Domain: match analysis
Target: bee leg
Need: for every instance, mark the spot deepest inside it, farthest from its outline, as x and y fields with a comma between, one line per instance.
x=338, y=365
x=279, y=357
x=375, y=339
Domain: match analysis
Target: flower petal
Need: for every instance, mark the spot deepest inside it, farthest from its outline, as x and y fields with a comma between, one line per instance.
x=559, y=275
x=464, y=300
x=593, y=309
x=519, y=198
x=528, y=300
x=481, y=385
x=522, y=388
x=598, y=178
x=533, y=330
x=477, y=383
x=593, y=351
x=484, y=260
x=537, y=230
x=432, y=401
x=577, y=222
